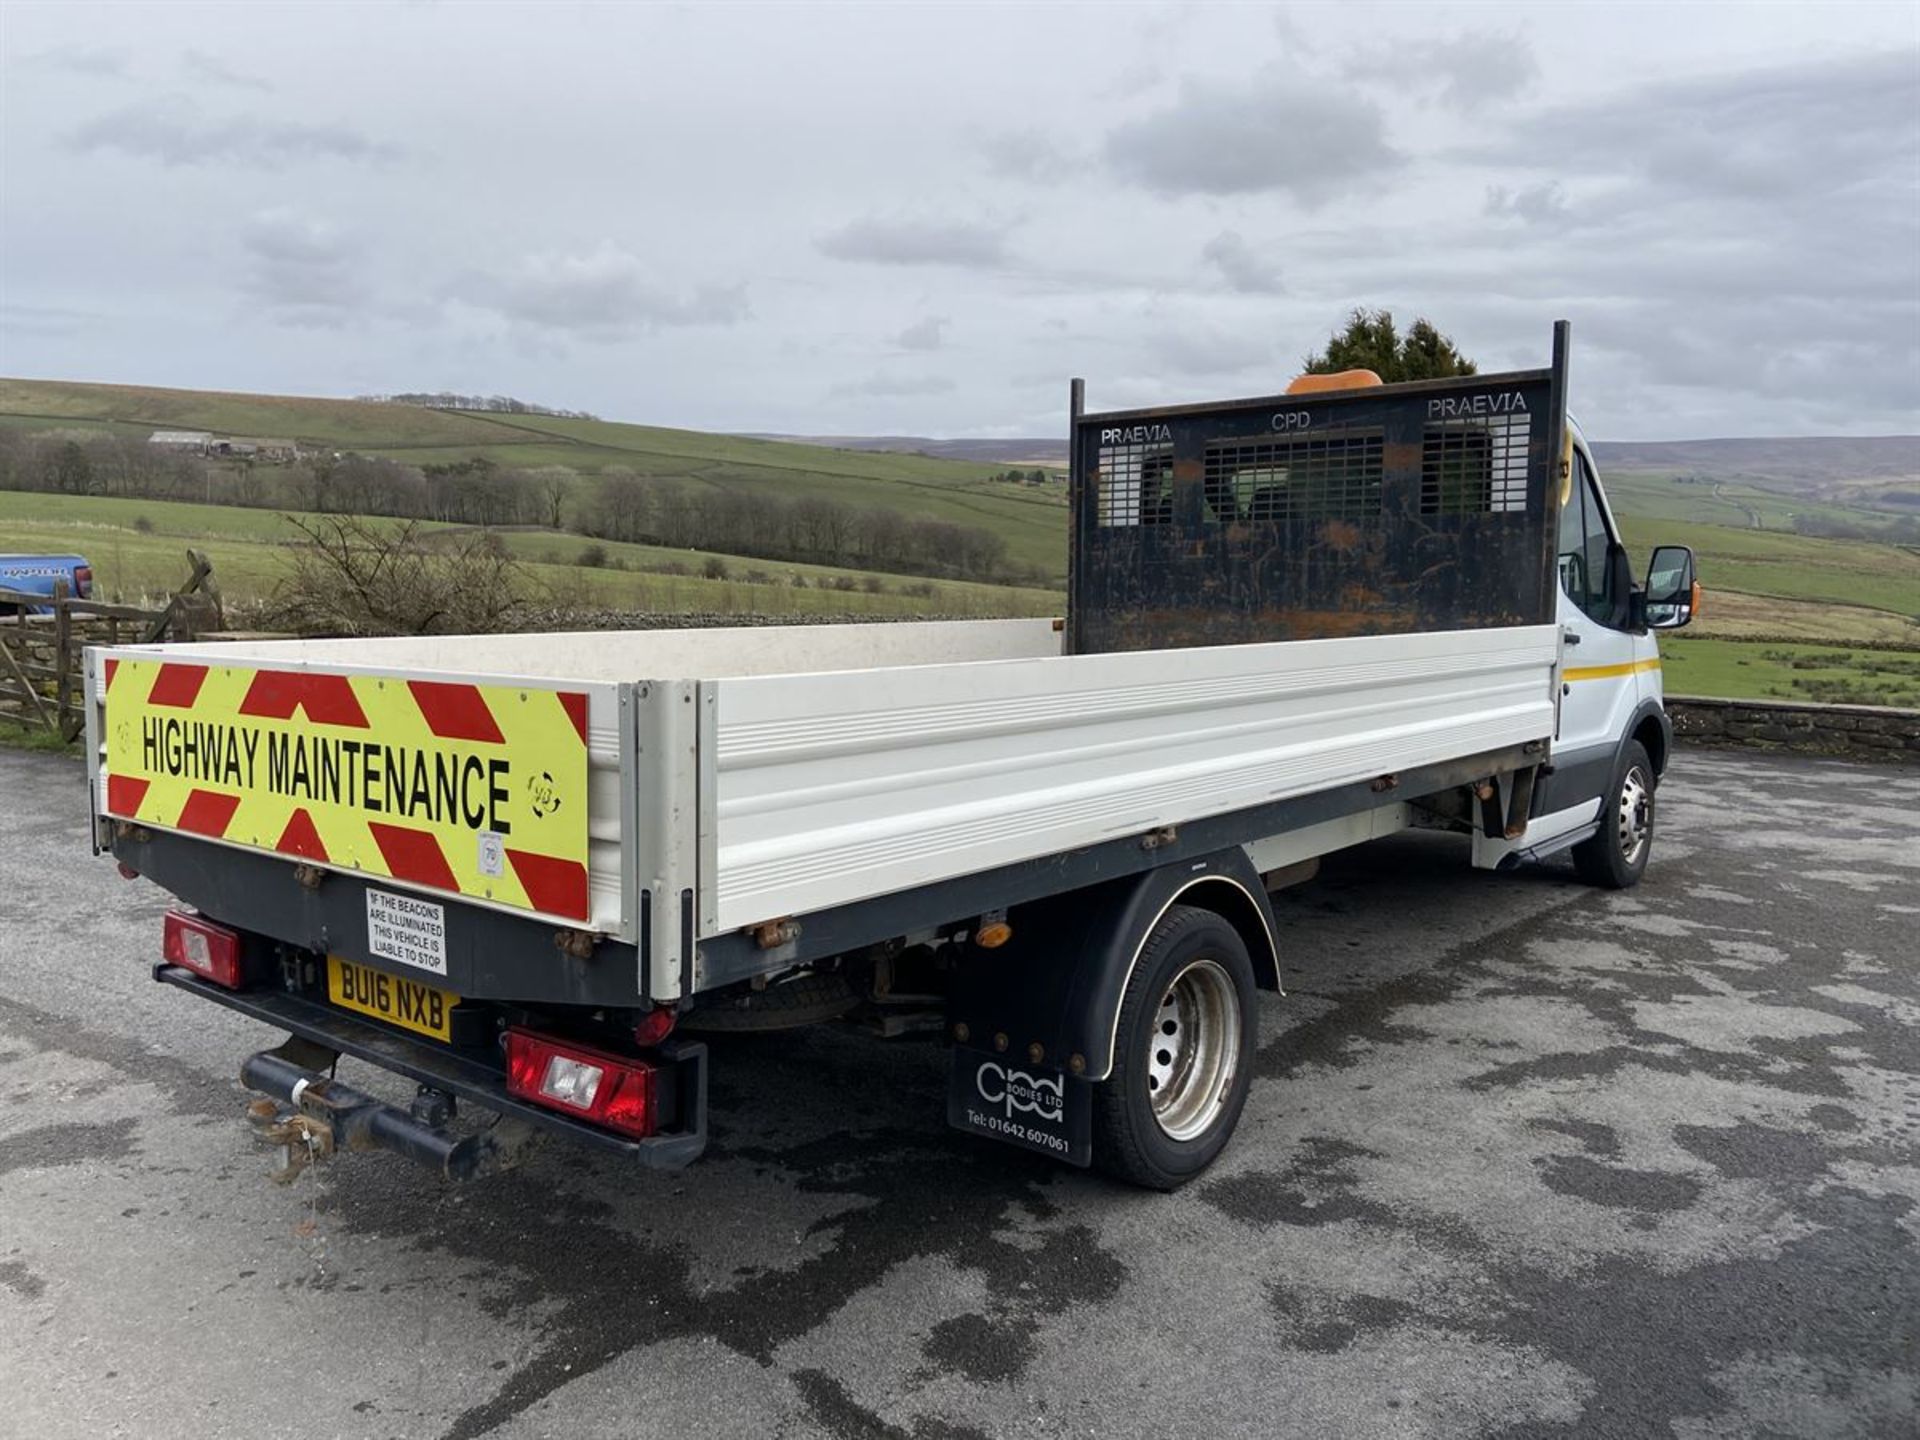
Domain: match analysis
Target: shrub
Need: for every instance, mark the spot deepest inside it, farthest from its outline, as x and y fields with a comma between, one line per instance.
x=715, y=568
x=351, y=578
x=594, y=557
x=142, y=525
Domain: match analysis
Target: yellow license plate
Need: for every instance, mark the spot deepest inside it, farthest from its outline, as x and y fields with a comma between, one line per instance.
x=398, y=1001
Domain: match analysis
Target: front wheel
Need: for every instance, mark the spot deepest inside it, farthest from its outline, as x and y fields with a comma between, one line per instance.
x=1615, y=857
x=1183, y=1051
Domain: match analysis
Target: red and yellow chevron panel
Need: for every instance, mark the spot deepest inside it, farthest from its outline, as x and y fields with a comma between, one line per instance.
x=478, y=790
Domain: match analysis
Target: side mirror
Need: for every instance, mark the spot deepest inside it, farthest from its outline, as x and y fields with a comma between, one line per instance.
x=1673, y=594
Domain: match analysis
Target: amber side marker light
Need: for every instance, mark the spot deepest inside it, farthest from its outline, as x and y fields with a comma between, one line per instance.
x=992, y=932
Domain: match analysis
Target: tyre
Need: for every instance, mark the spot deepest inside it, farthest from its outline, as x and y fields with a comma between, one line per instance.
x=1183, y=1052
x=1615, y=856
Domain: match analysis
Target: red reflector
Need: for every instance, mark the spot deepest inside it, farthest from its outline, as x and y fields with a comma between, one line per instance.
x=581, y=1081
x=654, y=1026
x=83, y=581
x=207, y=949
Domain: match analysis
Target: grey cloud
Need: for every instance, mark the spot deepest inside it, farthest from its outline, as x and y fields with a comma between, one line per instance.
x=1278, y=132
x=100, y=60
x=303, y=271
x=175, y=130
x=212, y=70
x=926, y=334
x=916, y=242
x=1464, y=72
x=891, y=387
x=1822, y=128
x=1767, y=215
x=606, y=294
x=1197, y=348
x=1542, y=204
x=1027, y=155
x=1242, y=267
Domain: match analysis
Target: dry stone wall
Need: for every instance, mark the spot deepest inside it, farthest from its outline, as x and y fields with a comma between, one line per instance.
x=1862, y=732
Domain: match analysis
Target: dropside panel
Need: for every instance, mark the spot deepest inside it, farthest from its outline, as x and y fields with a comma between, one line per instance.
x=830, y=789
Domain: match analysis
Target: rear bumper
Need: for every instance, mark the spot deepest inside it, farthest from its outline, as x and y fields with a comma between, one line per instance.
x=470, y=1079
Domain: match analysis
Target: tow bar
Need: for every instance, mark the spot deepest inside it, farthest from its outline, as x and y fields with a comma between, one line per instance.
x=311, y=1116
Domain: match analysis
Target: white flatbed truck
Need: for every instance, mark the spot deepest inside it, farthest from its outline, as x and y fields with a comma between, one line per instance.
x=546, y=875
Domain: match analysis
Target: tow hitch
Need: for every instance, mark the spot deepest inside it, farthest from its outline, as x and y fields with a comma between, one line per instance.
x=310, y=1116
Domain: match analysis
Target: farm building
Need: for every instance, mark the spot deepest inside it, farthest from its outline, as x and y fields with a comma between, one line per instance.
x=253, y=447
x=198, y=441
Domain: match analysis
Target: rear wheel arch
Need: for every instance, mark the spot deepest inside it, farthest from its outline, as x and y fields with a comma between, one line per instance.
x=1233, y=903
x=1059, y=982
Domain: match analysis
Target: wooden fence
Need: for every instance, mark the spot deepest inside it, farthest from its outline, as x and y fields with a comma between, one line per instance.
x=43, y=642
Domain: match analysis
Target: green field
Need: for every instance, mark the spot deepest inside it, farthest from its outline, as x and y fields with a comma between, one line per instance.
x=1790, y=567
x=1032, y=520
x=1732, y=503
x=1760, y=670
x=247, y=547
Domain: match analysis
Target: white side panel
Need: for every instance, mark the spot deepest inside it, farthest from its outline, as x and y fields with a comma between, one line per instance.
x=658, y=654
x=837, y=788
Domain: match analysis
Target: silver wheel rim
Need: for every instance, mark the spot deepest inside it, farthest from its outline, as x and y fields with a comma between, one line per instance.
x=1636, y=815
x=1193, y=1050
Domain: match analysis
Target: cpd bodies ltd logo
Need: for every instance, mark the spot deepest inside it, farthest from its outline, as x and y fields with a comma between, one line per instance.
x=1017, y=1090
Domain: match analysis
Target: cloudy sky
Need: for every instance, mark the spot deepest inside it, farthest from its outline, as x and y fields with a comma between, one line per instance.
x=922, y=218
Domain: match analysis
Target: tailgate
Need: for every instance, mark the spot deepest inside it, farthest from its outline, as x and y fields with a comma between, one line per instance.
x=502, y=791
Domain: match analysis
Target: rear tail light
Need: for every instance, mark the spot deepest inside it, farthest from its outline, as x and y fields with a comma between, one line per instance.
x=580, y=1081
x=209, y=950
x=83, y=581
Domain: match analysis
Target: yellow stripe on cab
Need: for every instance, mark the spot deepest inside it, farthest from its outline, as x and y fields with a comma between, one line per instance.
x=1607, y=672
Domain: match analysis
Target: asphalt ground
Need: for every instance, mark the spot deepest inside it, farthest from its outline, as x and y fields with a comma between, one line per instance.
x=1522, y=1158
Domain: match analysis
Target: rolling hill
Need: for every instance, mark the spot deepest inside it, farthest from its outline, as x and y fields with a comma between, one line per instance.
x=1032, y=519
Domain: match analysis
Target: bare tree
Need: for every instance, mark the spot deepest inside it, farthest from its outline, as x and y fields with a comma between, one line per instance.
x=555, y=485
x=352, y=578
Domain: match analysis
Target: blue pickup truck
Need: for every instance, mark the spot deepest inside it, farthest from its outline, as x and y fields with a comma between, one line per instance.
x=37, y=574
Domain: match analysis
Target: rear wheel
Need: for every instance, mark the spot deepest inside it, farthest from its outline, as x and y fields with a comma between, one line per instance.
x=1183, y=1051
x=1615, y=857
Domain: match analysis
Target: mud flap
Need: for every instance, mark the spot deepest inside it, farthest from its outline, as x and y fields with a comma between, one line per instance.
x=1032, y=1106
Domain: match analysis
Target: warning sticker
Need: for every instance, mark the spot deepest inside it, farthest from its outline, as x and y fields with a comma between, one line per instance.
x=408, y=929
x=479, y=790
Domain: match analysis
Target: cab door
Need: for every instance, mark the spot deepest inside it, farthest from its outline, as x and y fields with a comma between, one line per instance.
x=1602, y=660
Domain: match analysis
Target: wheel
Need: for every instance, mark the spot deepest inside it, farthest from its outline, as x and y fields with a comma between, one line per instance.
x=1183, y=1051
x=1615, y=856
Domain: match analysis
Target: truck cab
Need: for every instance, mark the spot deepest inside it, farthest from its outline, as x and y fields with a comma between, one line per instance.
x=1611, y=693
